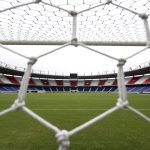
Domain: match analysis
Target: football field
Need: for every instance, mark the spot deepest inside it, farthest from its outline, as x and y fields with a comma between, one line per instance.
x=122, y=130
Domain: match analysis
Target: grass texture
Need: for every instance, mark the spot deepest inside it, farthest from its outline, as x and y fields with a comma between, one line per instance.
x=122, y=130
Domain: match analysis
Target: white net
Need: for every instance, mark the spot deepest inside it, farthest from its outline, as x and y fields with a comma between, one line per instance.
x=50, y=22
x=99, y=21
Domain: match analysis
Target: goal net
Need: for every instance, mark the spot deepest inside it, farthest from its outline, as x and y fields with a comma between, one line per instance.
x=77, y=23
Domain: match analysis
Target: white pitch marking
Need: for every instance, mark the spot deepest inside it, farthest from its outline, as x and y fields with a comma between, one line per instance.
x=45, y=109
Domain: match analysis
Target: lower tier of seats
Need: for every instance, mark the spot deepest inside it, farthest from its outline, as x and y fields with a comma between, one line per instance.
x=130, y=89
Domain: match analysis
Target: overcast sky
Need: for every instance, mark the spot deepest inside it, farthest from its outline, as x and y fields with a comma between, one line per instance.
x=74, y=59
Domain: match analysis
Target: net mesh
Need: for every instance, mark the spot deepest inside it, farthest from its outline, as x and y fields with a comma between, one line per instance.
x=44, y=22
x=103, y=21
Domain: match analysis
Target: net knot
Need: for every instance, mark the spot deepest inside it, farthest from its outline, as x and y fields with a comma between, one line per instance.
x=73, y=13
x=143, y=16
x=108, y=1
x=17, y=105
x=38, y=1
x=32, y=60
x=74, y=42
x=122, y=103
x=121, y=62
x=63, y=139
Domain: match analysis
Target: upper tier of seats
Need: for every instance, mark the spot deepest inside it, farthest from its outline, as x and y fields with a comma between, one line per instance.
x=136, y=80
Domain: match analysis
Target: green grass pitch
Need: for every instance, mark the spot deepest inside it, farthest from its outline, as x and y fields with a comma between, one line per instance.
x=122, y=130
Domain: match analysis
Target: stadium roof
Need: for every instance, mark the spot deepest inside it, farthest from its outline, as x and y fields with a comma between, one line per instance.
x=136, y=71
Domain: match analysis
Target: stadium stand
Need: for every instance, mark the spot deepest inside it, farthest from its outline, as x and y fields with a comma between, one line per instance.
x=133, y=80
x=80, y=83
x=45, y=82
x=94, y=89
x=66, y=82
x=54, y=89
x=141, y=80
x=1, y=82
x=52, y=82
x=94, y=82
x=59, y=82
x=109, y=82
x=127, y=79
x=4, y=79
x=99, y=83
x=13, y=80
x=87, y=82
x=147, y=80
x=115, y=82
x=31, y=82
x=73, y=83
x=37, y=82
